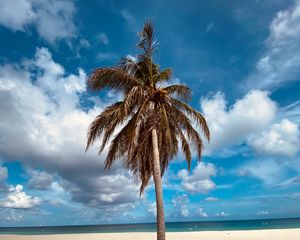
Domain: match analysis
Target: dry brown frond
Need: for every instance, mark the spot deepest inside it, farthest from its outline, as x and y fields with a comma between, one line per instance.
x=163, y=76
x=147, y=42
x=113, y=78
x=193, y=114
x=101, y=122
x=181, y=91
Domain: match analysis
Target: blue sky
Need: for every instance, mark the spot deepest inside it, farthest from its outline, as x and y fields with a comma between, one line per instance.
x=239, y=57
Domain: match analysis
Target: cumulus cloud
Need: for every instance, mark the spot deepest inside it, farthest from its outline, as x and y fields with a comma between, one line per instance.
x=41, y=103
x=11, y=215
x=39, y=116
x=106, y=190
x=39, y=180
x=55, y=195
x=21, y=15
x=17, y=198
x=200, y=212
x=180, y=206
x=222, y=214
x=254, y=120
x=279, y=64
x=282, y=138
x=199, y=181
x=84, y=43
x=53, y=20
x=184, y=211
x=233, y=125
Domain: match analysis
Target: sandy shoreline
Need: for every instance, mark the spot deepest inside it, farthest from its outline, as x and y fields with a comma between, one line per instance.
x=270, y=234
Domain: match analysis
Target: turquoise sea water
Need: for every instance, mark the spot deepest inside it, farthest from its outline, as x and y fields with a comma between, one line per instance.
x=151, y=227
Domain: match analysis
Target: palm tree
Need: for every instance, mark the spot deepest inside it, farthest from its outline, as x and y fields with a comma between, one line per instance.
x=154, y=117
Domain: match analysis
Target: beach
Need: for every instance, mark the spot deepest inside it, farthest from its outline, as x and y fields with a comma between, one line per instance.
x=270, y=234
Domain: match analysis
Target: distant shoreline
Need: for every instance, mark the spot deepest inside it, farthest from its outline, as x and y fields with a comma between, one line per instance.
x=270, y=234
x=201, y=226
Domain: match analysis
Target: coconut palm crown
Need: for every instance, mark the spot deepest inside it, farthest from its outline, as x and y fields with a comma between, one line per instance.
x=155, y=118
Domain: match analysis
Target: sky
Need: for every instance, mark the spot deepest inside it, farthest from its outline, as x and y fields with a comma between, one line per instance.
x=240, y=58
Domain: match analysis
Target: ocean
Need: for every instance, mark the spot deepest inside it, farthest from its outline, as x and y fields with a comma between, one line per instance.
x=151, y=227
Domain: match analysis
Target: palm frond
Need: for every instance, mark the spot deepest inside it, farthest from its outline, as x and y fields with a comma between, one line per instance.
x=122, y=143
x=147, y=42
x=181, y=91
x=118, y=149
x=140, y=161
x=129, y=65
x=184, y=122
x=163, y=76
x=101, y=122
x=165, y=125
x=185, y=148
x=113, y=78
x=135, y=97
x=132, y=100
x=200, y=120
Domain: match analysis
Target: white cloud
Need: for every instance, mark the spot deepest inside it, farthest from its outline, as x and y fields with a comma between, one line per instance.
x=280, y=62
x=180, y=200
x=16, y=14
x=254, y=120
x=199, y=181
x=55, y=19
x=19, y=199
x=291, y=112
x=106, y=56
x=222, y=214
x=290, y=181
x=268, y=170
x=52, y=19
x=108, y=190
x=211, y=199
x=184, y=211
x=41, y=114
x=152, y=209
x=12, y=216
x=274, y=172
x=200, y=212
x=262, y=213
x=55, y=195
x=282, y=138
x=84, y=43
x=130, y=19
x=39, y=180
x=180, y=206
x=233, y=125
x=41, y=103
x=102, y=38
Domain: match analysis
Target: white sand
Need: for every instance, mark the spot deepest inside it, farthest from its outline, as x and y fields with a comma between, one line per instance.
x=278, y=234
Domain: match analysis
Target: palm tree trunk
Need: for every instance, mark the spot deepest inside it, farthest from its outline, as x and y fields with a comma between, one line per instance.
x=160, y=216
